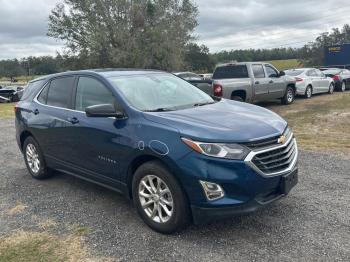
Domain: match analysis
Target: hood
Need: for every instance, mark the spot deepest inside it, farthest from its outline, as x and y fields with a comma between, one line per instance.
x=224, y=121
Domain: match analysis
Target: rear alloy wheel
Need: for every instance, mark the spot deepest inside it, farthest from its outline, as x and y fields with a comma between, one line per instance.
x=308, y=92
x=343, y=87
x=159, y=198
x=289, y=96
x=331, y=89
x=34, y=159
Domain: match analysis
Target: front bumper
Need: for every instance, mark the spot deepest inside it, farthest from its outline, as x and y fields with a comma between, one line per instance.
x=202, y=215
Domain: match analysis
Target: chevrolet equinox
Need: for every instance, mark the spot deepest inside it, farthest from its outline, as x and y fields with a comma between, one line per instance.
x=179, y=154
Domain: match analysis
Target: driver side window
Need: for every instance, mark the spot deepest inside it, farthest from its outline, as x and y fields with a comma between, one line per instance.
x=270, y=71
x=91, y=92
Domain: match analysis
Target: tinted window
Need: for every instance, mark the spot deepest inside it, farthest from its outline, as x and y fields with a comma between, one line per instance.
x=43, y=95
x=258, y=71
x=271, y=72
x=59, y=93
x=91, y=92
x=32, y=89
x=332, y=72
x=231, y=71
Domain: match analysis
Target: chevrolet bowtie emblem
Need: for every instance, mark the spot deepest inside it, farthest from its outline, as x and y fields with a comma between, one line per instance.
x=281, y=139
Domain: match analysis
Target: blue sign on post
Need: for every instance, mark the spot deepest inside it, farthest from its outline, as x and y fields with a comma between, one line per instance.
x=337, y=55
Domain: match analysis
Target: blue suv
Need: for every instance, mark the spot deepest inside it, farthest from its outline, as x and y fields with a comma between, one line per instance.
x=179, y=154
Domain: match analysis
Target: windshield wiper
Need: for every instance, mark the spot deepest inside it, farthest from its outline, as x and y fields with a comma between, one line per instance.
x=204, y=103
x=161, y=109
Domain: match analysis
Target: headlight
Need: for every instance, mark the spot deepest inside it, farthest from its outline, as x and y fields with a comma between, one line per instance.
x=229, y=151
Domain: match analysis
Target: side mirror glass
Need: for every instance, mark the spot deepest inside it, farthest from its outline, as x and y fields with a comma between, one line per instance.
x=282, y=73
x=104, y=110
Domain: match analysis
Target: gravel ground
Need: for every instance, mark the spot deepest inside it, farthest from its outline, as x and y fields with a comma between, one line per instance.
x=311, y=224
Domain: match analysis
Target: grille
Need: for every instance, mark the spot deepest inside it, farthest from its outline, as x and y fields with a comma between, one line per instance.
x=276, y=160
x=268, y=142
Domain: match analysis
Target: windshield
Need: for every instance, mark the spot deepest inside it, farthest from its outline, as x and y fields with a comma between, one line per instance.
x=294, y=72
x=159, y=92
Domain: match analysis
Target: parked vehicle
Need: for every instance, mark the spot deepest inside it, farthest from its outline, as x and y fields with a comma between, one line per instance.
x=311, y=81
x=341, y=78
x=206, y=76
x=8, y=94
x=179, y=154
x=252, y=82
x=196, y=80
x=188, y=76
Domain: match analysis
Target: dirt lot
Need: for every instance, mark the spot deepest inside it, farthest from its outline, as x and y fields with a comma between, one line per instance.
x=66, y=219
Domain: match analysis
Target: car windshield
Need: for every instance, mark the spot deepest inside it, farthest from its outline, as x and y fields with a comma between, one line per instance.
x=294, y=72
x=159, y=92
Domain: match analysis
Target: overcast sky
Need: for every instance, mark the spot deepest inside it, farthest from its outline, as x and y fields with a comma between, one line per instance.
x=223, y=24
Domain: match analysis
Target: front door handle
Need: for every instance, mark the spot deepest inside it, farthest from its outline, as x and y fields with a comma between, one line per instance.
x=73, y=120
x=257, y=82
x=36, y=111
x=271, y=82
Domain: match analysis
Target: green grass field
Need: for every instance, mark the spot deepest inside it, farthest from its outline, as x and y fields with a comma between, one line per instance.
x=7, y=111
x=285, y=64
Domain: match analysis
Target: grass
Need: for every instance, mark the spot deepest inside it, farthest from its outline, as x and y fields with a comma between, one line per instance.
x=321, y=123
x=6, y=110
x=41, y=246
x=285, y=64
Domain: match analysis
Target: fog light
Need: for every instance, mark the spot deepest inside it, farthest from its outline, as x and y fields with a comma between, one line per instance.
x=212, y=191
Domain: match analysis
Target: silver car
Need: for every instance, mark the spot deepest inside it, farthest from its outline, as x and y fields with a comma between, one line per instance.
x=311, y=81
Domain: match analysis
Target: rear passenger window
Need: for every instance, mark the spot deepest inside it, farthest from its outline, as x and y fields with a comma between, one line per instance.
x=258, y=71
x=60, y=91
x=91, y=92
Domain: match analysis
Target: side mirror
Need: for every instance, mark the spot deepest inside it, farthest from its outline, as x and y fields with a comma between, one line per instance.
x=282, y=73
x=104, y=110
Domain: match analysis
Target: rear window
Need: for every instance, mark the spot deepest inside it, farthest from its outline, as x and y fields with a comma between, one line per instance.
x=294, y=72
x=31, y=90
x=60, y=92
x=231, y=71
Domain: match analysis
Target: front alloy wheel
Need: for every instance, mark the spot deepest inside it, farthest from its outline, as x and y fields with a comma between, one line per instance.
x=156, y=199
x=343, y=86
x=159, y=198
x=331, y=88
x=308, y=92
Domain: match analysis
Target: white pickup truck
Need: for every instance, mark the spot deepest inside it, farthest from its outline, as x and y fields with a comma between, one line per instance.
x=252, y=82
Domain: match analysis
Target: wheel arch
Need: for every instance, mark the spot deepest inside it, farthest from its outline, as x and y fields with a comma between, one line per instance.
x=241, y=93
x=23, y=136
x=142, y=159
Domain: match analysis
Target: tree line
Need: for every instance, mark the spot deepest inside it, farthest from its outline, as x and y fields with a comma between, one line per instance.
x=145, y=34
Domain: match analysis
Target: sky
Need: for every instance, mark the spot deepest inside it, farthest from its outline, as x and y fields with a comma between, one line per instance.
x=223, y=24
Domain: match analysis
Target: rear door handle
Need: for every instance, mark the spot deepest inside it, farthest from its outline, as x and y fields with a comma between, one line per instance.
x=271, y=82
x=257, y=82
x=73, y=120
x=36, y=111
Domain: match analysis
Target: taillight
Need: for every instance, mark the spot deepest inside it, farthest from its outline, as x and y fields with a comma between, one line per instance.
x=298, y=79
x=217, y=89
x=336, y=78
x=15, y=108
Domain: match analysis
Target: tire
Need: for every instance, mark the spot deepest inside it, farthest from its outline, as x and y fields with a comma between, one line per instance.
x=289, y=96
x=178, y=215
x=308, y=92
x=331, y=89
x=237, y=98
x=34, y=159
x=343, y=87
